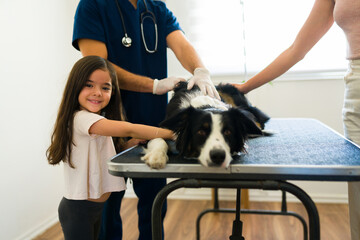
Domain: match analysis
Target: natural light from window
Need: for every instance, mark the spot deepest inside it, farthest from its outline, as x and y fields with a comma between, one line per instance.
x=237, y=37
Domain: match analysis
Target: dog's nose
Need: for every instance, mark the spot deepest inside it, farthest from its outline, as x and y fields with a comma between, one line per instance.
x=217, y=156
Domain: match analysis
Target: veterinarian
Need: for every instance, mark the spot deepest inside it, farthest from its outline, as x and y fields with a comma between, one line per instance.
x=346, y=13
x=134, y=35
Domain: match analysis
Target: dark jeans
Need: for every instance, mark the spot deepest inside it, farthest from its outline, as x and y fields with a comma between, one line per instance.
x=80, y=219
x=146, y=190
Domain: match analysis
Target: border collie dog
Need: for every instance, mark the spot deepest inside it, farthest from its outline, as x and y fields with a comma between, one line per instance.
x=207, y=129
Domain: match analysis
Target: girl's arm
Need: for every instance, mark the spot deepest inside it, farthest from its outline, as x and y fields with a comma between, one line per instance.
x=134, y=142
x=318, y=23
x=106, y=127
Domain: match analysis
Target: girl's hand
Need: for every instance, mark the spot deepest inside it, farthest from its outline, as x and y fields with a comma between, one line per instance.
x=166, y=134
x=174, y=137
x=133, y=142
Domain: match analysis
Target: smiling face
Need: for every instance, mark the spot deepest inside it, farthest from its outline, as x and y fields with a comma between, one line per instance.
x=96, y=93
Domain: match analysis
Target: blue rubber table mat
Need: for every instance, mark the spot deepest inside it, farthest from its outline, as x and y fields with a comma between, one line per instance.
x=299, y=149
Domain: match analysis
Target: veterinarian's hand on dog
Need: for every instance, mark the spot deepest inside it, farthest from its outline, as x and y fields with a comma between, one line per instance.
x=202, y=79
x=167, y=84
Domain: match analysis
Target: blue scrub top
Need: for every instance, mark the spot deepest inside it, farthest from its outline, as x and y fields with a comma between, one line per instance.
x=100, y=20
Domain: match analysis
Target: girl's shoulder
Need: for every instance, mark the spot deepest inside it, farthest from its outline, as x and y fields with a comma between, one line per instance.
x=83, y=120
x=83, y=114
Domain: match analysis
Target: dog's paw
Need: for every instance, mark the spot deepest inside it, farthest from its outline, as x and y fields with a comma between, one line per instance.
x=155, y=159
x=156, y=153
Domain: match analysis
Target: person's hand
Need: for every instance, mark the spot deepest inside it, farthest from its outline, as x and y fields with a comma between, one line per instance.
x=240, y=87
x=202, y=79
x=133, y=142
x=167, y=84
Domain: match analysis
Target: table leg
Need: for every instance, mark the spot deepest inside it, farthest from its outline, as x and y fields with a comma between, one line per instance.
x=314, y=222
x=237, y=224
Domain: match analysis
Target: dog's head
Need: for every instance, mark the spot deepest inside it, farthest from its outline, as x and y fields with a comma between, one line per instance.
x=211, y=136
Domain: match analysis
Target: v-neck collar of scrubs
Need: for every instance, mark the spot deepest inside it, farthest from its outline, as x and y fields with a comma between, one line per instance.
x=131, y=6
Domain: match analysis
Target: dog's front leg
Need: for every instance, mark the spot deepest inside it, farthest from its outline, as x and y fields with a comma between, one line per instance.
x=156, y=153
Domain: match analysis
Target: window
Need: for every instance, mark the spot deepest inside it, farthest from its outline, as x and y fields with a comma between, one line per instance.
x=244, y=36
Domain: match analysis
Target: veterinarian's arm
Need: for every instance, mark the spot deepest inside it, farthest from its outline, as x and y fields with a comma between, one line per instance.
x=105, y=127
x=184, y=51
x=128, y=80
x=318, y=23
x=190, y=60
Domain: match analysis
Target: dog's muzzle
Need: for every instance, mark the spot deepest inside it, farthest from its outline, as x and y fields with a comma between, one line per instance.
x=217, y=156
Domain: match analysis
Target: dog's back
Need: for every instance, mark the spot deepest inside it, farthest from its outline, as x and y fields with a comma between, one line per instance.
x=231, y=95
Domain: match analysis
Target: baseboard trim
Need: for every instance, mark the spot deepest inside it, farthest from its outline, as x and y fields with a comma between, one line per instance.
x=40, y=229
x=204, y=194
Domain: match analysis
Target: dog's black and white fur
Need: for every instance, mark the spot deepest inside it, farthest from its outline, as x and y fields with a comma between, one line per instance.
x=206, y=128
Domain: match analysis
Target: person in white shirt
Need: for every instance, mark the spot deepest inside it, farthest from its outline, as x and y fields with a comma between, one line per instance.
x=346, y=13
x=90, y=114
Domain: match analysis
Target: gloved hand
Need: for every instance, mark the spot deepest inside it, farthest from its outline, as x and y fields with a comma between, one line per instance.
x=202, y=79
x=164, y=85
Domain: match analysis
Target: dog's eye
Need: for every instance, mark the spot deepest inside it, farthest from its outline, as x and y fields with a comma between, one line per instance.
x=201, y=132
x=227, y=132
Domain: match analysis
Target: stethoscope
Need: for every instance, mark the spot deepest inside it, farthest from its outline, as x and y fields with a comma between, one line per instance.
x=127, y=41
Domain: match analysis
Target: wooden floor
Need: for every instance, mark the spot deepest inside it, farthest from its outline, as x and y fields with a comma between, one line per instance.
x=181, y=218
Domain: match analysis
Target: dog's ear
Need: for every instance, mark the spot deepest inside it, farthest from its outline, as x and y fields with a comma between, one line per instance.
x=260, y=116
x=246, y=120
x=179, y=119
x=179, y=124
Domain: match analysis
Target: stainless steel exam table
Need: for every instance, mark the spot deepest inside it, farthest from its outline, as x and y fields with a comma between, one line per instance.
x=300, y=149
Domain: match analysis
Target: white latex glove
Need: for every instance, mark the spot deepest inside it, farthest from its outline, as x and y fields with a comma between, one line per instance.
x=164, y=85
x=202, y=79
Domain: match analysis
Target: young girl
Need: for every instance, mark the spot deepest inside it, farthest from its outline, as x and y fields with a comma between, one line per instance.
x=89, y=114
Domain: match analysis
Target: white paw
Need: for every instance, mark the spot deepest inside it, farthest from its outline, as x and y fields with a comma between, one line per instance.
x=156, y=153
x=155, y=160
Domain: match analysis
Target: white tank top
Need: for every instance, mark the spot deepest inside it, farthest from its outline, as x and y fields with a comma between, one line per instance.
x=347, y=16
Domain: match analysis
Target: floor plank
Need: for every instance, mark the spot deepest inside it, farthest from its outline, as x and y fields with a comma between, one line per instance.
x=181, y=219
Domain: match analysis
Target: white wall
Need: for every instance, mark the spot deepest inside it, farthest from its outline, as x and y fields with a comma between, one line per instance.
x=35, y=58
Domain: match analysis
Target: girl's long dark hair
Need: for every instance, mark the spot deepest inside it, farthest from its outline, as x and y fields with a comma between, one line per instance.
x=62, y=137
